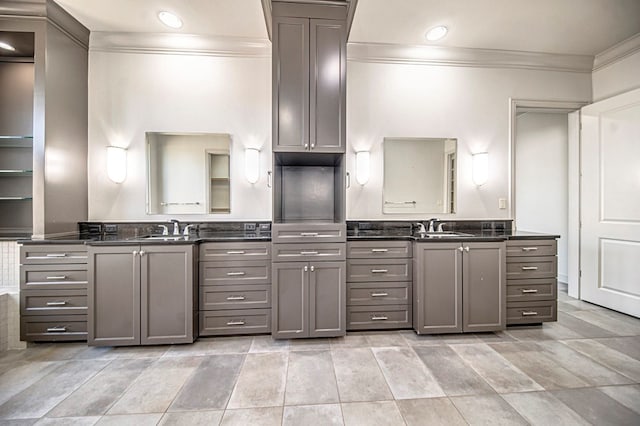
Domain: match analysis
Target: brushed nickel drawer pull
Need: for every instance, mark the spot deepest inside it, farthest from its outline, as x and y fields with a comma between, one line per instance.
x=57, y=303
x=379, y=271
x=379, y=294
x=308, y=253
x=529, y=313
x=235, y=298
x=529, y=248
x=308, y=234
x=56, y=254
x=379, y=318
x=57, y=330
x=241, y=322
x=235, y=274
x=529, y=290
x=57, y=277
x=236, y=252
x=529, y=268
x=379, y=250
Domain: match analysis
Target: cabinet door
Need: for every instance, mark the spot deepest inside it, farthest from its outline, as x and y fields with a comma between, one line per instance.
x=290, y=59
x=114, y=296
x=166, y=294
x=327, y=78
x=437, y=298
x=484, y=287
x=290, y=287
x=327, y=299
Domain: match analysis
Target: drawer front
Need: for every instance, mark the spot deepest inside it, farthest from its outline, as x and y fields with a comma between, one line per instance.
x=53, y=277
x=531, y=312
x=531, y=248
x=532, y=267
x=381, y=293
x=367, y=270
x=243, y=321
x=309, y=251
x=235, y=297
x=378, y=317
x=229, y=273
x=53, y=328
x=536, y=289
x=53, y=302
x=379, y=249
x=53, y=253
x=235, y=251
x=308, y=232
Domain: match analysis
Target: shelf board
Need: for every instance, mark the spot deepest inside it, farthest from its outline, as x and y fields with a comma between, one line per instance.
x=16, y=137
x=220, y=179
x=16, y=173
x=15, y=198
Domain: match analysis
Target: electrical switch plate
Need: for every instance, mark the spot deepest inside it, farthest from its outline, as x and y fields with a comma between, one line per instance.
x=502, y=203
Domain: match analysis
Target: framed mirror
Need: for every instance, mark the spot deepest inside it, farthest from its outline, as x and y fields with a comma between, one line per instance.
x=419, y=175
x=188, y=173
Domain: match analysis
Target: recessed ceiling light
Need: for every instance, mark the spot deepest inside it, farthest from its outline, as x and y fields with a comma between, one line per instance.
x=7, y=46
x=436, y=33
x=170, y=20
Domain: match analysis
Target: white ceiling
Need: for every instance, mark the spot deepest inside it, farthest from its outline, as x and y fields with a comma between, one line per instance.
x=581, y=27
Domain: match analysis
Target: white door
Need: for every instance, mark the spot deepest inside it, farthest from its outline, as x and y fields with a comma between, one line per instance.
x=610, y=203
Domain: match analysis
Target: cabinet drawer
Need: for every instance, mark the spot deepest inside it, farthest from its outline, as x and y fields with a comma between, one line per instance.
x=531, y=248
x=378, y=317
x=242, y=321
x=235, y=251
x=531, y=312
x=53, y=253
x=53, y=328
x=532, y=267
x=382, y=293
x=359, y=270
x=225, y=273
x=235, y=297
x=379, y=249
x=67, y=276
x=309, y=251
x=536, y=289
x=308, y=232
x=53, y=302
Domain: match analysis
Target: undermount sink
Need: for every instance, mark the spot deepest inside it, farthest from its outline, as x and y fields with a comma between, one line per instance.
x=443, y=234
x=166, y=237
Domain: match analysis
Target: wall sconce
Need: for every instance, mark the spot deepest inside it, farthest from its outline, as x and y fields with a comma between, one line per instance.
x=363, y=159
x=116, y=163
x=252, y=165
x=480, y=170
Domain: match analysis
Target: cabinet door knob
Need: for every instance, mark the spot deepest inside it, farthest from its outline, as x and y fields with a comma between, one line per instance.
x=306, y=268
x=135, y=253
x=142, y=252
x=312, y=268
x=467, y=249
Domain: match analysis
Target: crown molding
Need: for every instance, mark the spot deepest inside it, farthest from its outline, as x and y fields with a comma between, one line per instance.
x=23, y=7
x=617, y=52
x=464, y=57
x=179, y=44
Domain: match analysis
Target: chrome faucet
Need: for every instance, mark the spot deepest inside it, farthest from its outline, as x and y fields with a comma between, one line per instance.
x=187, y=229
x=421, y=228
x=441, y=227
x=165, y=229
x=432, y=222
x=176, y=226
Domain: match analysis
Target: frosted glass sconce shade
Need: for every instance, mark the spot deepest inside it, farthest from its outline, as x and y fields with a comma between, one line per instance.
x=252, y=165
x=363, y=159
x=480, y=166
x=116, y=163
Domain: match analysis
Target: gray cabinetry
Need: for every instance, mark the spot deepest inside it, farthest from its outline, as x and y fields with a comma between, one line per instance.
x=379, y=275
x=309, y=70
x=53, y=292
x=459, y=287
x=141, y=295
x=532, y=287
x=235, y=288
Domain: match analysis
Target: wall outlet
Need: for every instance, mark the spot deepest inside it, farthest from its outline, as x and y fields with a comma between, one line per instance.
x=249, y=227
x=110, y=228
x=502, y=203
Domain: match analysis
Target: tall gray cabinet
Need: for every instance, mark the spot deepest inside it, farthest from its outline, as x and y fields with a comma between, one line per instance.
x=459, y=287
x=141, y=295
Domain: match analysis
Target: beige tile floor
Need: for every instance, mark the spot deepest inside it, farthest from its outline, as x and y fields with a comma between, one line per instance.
x=584, y=369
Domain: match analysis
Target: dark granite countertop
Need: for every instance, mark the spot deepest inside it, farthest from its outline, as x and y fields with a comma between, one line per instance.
x=144, y=239
x=400, y=234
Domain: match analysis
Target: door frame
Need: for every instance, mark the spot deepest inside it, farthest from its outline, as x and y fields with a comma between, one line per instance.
x=575, y=167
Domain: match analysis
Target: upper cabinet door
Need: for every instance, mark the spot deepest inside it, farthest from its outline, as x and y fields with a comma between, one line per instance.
x=291, y=84
x=327, y=110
